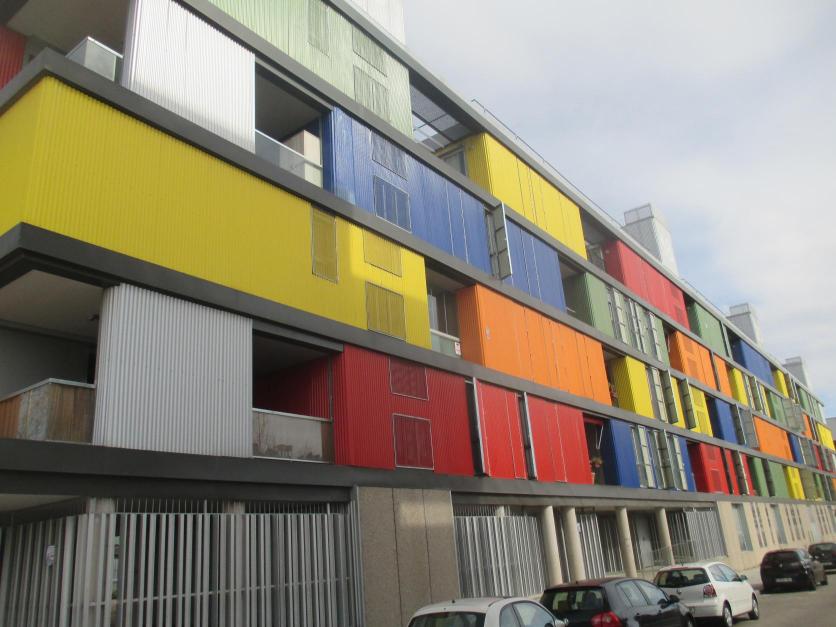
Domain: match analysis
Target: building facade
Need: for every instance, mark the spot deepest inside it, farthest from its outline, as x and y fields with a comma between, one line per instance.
x=290, y=334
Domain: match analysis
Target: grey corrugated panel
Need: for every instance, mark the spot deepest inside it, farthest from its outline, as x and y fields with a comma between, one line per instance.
x=172, y=376
x=182, y=63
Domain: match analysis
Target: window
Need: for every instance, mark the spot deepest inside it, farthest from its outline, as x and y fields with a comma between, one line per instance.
x=367, y=49
x=729, y=573
x=388, y=155
x=443, y=310
x=382, y=253
x=673, y=467
x=688, y=405
x=631, y=594
x=324, y=245
x=619, y=316
x=318, y=25
x=507, y=617
x=657, y=342
x=717, y=573
x=385, y=311
x=779, y=524
x=742, y=528
x=653, y=594
x=531, y=615
x=670, y=393
x=740, y=472
x=456, y=160
x=528, y=442
x=759, y=528
x=767, y=473
x=408, y=379
x=371, y=94
x=391, y=203
x=657, y=394
x=413, y=442
x=644, y=457
x=637, y=330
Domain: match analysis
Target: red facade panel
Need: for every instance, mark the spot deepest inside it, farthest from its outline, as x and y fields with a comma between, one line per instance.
x=502, y=441
x=746, y=472
x=707, y=465
x=365, y=407
x=732, y=475
x=12, y=46
x=413, y=442
x=559, y=440
x=299, y=390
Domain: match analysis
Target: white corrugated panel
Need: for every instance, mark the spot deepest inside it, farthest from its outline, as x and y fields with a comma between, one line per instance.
x=386, y=13
x=177, y=60
x=172, y=376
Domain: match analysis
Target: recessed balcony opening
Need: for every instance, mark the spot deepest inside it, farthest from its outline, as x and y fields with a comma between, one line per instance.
x=436, y=128
x=292, y=401
x=49, y=329
x=595, y=237
x=443, y=311
x=288, y=131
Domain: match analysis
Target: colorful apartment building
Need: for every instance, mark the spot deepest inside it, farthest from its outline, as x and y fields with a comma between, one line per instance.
x=291, y=334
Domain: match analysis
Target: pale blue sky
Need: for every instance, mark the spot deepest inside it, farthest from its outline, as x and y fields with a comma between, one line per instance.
x=722, y=114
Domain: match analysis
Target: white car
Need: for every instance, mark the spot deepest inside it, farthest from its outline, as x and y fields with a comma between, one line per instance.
x=711, y=590
x=486, y=612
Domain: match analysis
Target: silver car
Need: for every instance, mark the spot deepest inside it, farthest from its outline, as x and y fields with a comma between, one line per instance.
x=485, y=612
x=711, y=590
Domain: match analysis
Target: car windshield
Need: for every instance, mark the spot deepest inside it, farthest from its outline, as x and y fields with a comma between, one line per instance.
x=823, y=546
x=681, y=578
x=449, y=619
x=566, y=601
x=780, y=556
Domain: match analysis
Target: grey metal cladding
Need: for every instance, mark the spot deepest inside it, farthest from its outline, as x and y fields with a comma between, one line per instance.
x=172, y=375
x=177, y=60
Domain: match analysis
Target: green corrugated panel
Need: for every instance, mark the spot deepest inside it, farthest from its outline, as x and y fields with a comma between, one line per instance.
x=779, y=480
x=819, y=486
x=776, y=407
x=586, y=295
x=708, y=328
x=323, y=40
x=757, y=475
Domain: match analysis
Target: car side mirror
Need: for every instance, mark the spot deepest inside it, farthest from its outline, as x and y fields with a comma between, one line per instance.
x=672, y=598
x=742, y=578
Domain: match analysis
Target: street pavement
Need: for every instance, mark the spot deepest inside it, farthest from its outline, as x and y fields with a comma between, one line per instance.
x=795, y=609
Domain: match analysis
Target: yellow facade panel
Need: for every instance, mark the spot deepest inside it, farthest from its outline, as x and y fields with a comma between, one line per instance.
x=680, y=413
x=825, y=435
x=701, y=415
x=98, y=175
x=794, y=482
x=631, y=386
x=737, y=385
x=781, y=382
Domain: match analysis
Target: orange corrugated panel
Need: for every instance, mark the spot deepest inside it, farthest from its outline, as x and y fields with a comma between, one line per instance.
x=807, y=431
x=519, y=336
x=773, y=440
x=707, y=367
x=689, y=357
x=723, y=376
x=597, y=371
x=540, y=367
x=567, y=361
x=470, y=326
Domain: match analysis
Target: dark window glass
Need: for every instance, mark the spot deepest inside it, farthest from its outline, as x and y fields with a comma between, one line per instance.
x=631, y=594
x=651, y=592
x=507, y=617
x=532, y=615
x=391, y=204
x=717, y=573
x=682, y=578
x=449, y=619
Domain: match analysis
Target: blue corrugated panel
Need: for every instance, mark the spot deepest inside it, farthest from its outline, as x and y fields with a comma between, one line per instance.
x=745, y=355
x=686, y=462
x=536, y=267
x=722, y=421
x=440, y=212
x=795, y=445
x=619, y=456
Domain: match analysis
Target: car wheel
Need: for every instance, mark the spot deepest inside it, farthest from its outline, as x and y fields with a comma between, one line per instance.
x=811, y=585
x=824, y=581
x=727, y=620
x=689, y=622
x=755, y=614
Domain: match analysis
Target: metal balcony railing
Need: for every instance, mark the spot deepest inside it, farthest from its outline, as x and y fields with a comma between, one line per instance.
x=97, y=57
x=287, y=159
x=288, y=436
x=446, y=344
x=50, y=410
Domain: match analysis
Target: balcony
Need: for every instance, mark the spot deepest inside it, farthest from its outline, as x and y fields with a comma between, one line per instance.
x=287, y=158
x=50, y=410
x=280, y=435
x=97, y=57
x=446, y=344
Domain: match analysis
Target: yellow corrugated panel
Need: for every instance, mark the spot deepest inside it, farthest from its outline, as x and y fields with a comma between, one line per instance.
x=737, y=385
x=794, y=482
x=680, y=413
x=324, y=245
x=766, y=408
x=631, y=386
x=825, y=435
x=701, y=412
x=73, y=165
x=781, y=382
x=507, y=177
x=382, y=253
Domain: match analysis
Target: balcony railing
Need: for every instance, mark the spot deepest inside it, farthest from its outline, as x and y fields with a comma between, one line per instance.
x=287, y=159
x=49, y=410
x=446, y=344
x=289, y=436
x=97, y=57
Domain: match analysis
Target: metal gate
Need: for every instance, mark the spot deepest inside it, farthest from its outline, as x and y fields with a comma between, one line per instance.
x=500, y=551
x=296, y=566
x=599, y=544
x=696, y=534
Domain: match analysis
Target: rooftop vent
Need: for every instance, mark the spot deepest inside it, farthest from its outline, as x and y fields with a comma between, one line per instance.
x=648, y=227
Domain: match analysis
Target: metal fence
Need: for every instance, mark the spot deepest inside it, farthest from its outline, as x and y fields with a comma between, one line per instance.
x=500, y=552
x=222, y=569
x=599, y=544
x=696, y=534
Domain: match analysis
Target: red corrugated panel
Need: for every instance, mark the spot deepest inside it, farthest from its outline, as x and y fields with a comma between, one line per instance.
x=574, y=445
x=707, y=465
x=819, y=462
x=732, y=475
x=299, y=390
x=746, y=472
x=413, y=442
x=12, y=46
x=408, y=378
x=502, y=440
x=625, y=265
x=365, y=407
x=560, y=451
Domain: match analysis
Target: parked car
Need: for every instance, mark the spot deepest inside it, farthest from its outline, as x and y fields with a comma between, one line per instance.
x=712, y=590
x=825, y=552
x=615, y=602
x=487, y=612
x=793, y=568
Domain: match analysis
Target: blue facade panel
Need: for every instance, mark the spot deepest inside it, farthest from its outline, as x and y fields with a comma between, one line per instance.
x=795, y=445
x=686, y=462
x=440, y=212
x=619, y=456
x=535, y=267
x=722, y=421
x=745, y=355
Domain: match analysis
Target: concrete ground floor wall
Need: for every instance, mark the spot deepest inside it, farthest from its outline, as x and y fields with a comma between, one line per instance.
x=368, y=557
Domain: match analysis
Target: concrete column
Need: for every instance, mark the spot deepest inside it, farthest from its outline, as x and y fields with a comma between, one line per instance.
x=625, y=541
x=574, y=552
x=664, y=532
x=554, y=573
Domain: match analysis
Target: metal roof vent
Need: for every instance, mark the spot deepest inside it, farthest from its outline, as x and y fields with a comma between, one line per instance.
x=648, y=227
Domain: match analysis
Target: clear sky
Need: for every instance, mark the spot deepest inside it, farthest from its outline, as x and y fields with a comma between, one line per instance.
x=722, y=114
